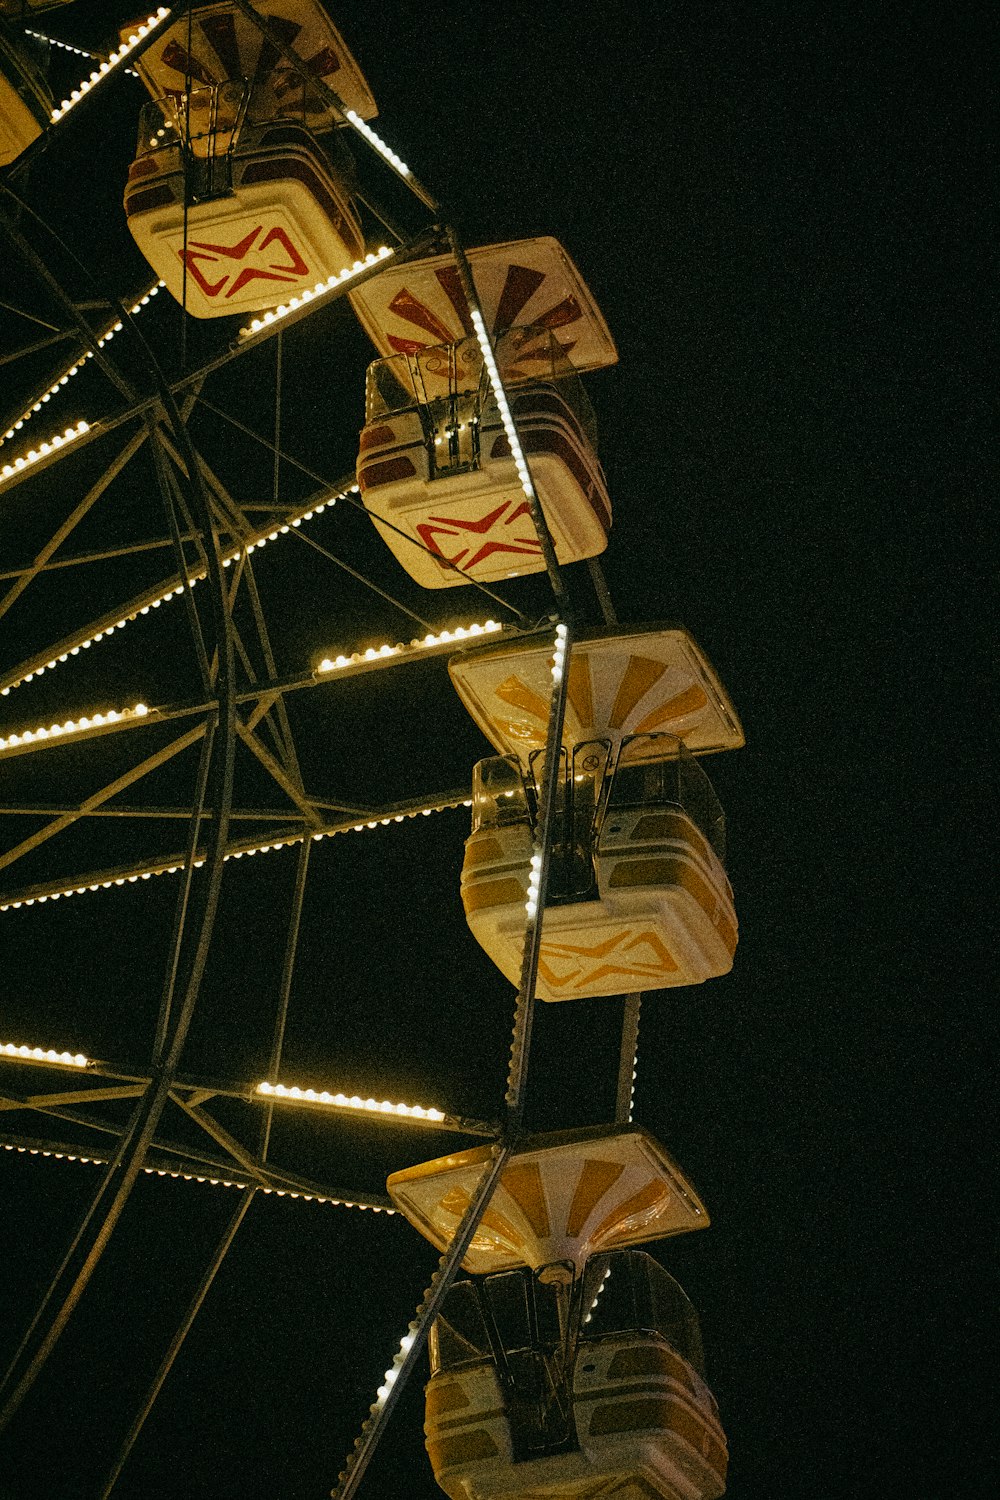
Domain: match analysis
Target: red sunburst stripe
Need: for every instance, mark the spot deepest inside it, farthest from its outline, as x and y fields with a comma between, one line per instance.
x=451, y=285
x=520, y=286
x=408, y=307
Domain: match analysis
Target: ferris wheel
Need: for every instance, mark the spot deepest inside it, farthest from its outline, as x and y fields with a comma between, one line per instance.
x=203, y=554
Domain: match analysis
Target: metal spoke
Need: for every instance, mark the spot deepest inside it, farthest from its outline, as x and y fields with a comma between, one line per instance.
x=169, y=1159
x=28, y=575
x=525, y=1003
x=129, y=778
x=178, y=860
x=628, y=1059
x=412, y=1344
x=167, y=1363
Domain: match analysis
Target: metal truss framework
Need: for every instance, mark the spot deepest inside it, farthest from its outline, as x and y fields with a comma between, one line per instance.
x=210, y=537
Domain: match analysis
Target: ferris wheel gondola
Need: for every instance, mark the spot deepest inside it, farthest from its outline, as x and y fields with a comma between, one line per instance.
x=574, y=1367
x=435, y=460
x=240, y=195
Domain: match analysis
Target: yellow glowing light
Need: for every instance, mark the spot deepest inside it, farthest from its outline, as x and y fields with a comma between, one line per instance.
x=252, y=545
x=44, y=1055
x=294, y=303
x=114, y=60
x=373, y=653
x=535, y=872
x=173, y=869
x=343, y=1101
x=105, y=337
x=71, y=726
x=226, y=1182
x=44, y=450
x=379, y=144
x=517, y=452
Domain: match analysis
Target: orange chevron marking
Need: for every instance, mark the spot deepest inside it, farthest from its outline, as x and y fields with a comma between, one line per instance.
x=579, y=974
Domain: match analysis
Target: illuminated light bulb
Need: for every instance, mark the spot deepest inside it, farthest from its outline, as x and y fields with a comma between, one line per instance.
x=44, y=1055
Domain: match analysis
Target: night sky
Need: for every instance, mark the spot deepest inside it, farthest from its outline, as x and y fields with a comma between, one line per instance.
x=780, y=211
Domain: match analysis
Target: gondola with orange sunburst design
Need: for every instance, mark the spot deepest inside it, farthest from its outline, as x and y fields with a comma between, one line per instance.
x=574, y=1368
x=633, y=679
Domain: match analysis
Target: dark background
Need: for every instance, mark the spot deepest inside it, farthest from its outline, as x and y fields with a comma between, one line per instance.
x=781, y=212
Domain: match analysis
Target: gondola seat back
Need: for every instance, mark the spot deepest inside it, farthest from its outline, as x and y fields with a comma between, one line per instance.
x=446, y=481
x=640, y=1408
x=664, y=914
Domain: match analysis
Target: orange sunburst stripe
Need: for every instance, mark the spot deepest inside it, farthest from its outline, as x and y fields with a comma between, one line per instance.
x=512, y=729
x=596, y=1178
x=647, y=1199
x=686, y=702
x=523, y=1183
x=454, y=1203
x=580, y=691
x=517, y=693
x=639, y=676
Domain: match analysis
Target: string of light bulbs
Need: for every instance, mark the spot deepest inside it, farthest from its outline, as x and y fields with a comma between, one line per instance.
x=110, y=882
x=295, y=1095
x=104, y=337
x=155, y=598
x=114, y=61
x=311, y=294
x=20, y=1149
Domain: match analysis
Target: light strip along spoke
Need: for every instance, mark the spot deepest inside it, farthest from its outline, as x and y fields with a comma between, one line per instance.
x=628, y=1061
x=142, y=33
x=128, y=778
x=266, y=1094
x=161, y=1163
x=306, y=301
x=360, y=662
x=104, y=336
x=143, y=406
x=499, y=392
x=411, y=1345
x=534, y=906
x=134, y=810
x=326, y=93
x=88, y=726
x=54, y=655
x=172, y=864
